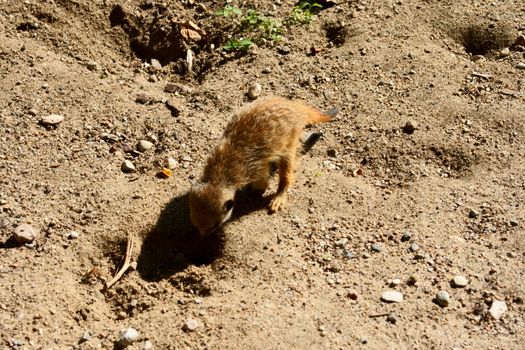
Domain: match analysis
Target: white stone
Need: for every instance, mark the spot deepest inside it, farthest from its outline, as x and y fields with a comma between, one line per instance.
x=127, y=166
x=497, y=309
x=442, y=298
x=147, y=345
x=144, y=145
x=459, y=281
x=52, y=119
x=254, y=91
x=191, y=324
x=127, y=337
x=392, y=296
x=171, y=163
x=25, y=233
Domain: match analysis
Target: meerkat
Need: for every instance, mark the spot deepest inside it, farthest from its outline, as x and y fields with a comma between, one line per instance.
x=264, y=134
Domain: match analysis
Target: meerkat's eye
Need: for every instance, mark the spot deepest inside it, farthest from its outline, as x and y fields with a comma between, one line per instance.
x=228, y=205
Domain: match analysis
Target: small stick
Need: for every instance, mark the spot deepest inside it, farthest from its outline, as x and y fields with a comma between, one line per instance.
x=125, y=266
x=379, y=315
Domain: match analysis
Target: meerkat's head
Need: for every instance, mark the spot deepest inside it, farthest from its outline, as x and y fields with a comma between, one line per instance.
x=210, y=206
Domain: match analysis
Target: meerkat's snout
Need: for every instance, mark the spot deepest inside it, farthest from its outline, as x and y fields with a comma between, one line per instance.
x=210, y=207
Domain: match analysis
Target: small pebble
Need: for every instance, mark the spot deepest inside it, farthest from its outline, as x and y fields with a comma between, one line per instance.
x=147, y=345
x=52, y=119
x=254, y=91
x=473, y=213
x=392, y=296
x=156, y=64
x=514, y=222
x=376, y=247
x=406, y=236
x=459, y=281
x=392, y=318
x=24, y=233
x=144, y=145
x=92, y=66
x=442, y=298
x=127, y=166
x=497, y=309
x=144, y=98
x=414, y=247
x=85, y=337
x=341, y=243
x=505, y=52
x=412, y=280
x=352, y=294
x=285, y=50
x=191, y=324
x=410, y=127
x=171, y=163
x=349, y=254
x=395, y=282
x=73, y=235
x=520, y=65
x=127, y=337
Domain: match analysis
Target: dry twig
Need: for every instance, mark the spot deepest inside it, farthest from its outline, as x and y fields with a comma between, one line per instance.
x=125, y=266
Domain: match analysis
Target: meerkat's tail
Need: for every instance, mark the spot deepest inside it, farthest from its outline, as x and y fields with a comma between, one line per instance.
x=315, y=117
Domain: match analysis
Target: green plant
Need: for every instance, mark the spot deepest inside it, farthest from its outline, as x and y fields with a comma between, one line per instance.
x=303, y=12
x=229, y=11
x=237, y=45
x=264, y=27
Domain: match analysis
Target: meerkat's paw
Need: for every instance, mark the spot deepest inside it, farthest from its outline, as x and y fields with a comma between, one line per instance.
x=278, y=202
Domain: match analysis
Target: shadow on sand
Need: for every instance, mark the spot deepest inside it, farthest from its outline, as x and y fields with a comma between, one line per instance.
x=174, y=243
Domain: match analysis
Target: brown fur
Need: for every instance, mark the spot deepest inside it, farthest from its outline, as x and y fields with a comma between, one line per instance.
x=263, y=133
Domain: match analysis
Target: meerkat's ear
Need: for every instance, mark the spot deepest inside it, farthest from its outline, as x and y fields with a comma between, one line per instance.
x=228, y=205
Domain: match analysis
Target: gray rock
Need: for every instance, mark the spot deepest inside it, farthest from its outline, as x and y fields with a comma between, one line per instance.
x=191, y=324
x=24, y=233
x=406, y=236
x=497, y=309
x=392, y=318
x=144, y=145
x=254, y=91
x=128, y=167
x=473, y=213
x=442, y=298
x=392, y=296
x=52, y=119
x=459, y=281
x=92, y=66
x=127, y=337
x=376, y=247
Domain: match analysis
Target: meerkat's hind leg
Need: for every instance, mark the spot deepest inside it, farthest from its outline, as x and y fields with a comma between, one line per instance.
x=286, y=169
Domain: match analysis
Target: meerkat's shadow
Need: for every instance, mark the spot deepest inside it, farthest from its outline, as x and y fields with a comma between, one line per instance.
x=174, y=243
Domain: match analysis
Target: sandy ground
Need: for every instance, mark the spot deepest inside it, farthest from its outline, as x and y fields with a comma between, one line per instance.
x=418, y=180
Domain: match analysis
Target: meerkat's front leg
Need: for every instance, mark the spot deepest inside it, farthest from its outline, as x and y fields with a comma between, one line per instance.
x=286, y=168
